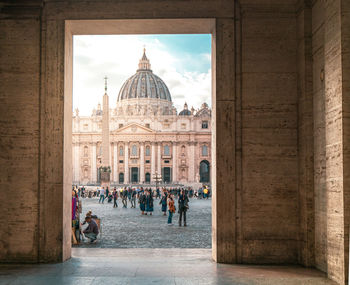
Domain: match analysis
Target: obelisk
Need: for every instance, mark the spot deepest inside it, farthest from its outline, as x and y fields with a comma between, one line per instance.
x=106, y=166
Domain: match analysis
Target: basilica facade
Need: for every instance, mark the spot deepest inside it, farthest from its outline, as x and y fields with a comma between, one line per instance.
x=143, y=139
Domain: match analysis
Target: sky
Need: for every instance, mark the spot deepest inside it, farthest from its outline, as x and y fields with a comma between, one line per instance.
x=182, y=61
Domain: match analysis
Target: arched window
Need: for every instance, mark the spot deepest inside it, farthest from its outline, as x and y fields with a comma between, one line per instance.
x=121, y=151
x=85, y=151
x=166, y=150
x=121, y=178
x=183, y=148
x=134, y=150
x=148, y=151
x=204, y=150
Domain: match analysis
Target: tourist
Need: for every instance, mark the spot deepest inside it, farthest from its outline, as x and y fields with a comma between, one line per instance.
x=107, y=192
x=133, y=198
x=125, y=198
x=163, y=202
x=115, y=198
x=183, y=207
x=205, y=193
x=102, y=195
x=157, y=193
x=142, y=201
x=172, y=209
x=149, y=202
x=91, y=232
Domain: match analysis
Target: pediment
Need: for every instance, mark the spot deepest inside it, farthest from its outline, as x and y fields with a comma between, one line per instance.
x=133, y=128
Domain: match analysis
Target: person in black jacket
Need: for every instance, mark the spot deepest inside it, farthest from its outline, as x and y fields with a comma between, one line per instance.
x=183, y=207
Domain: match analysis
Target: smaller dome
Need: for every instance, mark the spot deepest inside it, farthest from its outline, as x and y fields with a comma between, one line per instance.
x=185, y=111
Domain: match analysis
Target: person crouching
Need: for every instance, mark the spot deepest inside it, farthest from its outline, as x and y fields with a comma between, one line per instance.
x=91, y=232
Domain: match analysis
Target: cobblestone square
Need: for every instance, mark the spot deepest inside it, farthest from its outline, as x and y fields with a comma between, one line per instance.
x=127, y=228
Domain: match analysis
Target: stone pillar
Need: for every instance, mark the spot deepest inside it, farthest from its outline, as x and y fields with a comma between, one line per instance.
x=159, y=156
x=93, y=163
x=142, y=163
x=174, y=178
x=115, y=163
x=76, y=163
x=126, y=163
x=191, y=154
x=223, y=143
x=153, y=161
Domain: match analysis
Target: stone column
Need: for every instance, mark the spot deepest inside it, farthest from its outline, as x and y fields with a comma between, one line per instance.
x=174, y=178
x=76, y=163
x=191, y=154
x=126, y=163
x=159, y=155
x=115, y=163
x=153, y=161
x=142, y=163
x=93, y=163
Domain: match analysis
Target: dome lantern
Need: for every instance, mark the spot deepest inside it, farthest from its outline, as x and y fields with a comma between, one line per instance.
x=144, y=63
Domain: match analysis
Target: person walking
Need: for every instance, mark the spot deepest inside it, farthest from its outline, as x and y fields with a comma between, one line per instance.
x=183, y=207
x=172, y=209
x=142, y=201
x=149, y=202
x=115, y=198
x=102, y=195
x=125, y=198
x=163, y=202
x=133, y=198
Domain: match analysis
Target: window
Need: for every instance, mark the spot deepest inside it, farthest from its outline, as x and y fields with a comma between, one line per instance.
x=121, y=161
x=120, y=126
x=166, y=150
x=121, y=151
x=183, y=126
x=183, y=148
x=134, y=150
x=205, y=124
x=148, y=126
x=121, y=178
x=86, y=151
x=166, y=161
x=205, y=150
x=147, y=161
x=148, y=151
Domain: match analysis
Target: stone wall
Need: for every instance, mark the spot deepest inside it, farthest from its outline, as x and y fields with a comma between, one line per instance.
x=269, y=136
x=19, y=135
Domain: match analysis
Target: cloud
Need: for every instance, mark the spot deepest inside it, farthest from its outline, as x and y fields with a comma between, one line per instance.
x=117, y=58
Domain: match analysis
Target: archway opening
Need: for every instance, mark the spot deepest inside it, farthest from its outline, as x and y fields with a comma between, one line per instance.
x=204, y=171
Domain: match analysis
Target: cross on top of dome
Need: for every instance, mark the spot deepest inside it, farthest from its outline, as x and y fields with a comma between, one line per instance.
x=144, y=63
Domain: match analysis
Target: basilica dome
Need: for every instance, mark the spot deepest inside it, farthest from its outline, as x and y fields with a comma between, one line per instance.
x=144, y=84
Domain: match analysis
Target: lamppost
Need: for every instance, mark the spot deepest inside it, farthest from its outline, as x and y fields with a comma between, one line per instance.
x=158, y=178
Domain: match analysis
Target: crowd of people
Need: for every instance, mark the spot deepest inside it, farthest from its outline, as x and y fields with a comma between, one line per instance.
x=143, y=197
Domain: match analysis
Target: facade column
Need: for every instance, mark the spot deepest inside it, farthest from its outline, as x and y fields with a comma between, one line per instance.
x=76, y=163
x=115, y=163
x=126, y=163
x=93, y=163
x=191, y=155
x=174, y=178
x=153, y=161
x=159, y=155
x=142, y=163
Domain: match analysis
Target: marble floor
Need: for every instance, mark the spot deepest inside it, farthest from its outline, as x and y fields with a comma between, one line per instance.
x=153, y=266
